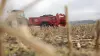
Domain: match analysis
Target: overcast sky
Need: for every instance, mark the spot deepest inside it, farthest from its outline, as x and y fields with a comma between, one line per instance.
x=78, y=9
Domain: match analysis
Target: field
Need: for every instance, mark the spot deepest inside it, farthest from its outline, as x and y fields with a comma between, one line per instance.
x=82, y=36
x=23, y=40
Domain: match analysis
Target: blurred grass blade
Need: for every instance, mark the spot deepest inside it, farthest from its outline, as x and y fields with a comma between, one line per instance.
x=97, y=37
x=31, y=4
x=68, y=33
x=2, y=5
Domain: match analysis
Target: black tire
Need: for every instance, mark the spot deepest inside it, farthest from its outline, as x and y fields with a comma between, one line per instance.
x=44, y=24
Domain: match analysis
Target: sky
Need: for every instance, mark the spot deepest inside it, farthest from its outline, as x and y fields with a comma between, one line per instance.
x=77, y=9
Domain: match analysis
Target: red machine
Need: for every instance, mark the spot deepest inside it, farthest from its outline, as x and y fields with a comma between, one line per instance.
x=48, y=20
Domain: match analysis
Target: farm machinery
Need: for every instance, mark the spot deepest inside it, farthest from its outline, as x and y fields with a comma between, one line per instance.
x=48, y=20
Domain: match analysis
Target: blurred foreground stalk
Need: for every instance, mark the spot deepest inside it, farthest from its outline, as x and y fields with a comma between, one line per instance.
x=2, y=5
x=97, y=37
x=68, y=33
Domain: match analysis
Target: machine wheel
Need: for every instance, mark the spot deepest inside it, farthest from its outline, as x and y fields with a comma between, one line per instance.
x=44, y=24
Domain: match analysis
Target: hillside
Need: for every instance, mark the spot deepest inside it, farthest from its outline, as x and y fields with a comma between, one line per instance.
x=82, y=22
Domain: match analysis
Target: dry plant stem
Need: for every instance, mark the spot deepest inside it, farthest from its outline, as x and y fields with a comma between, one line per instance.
x=1, y=46
x=33, y=3
x=1, y=54
x=98, y=36
x=68, y=33
x=2, y=5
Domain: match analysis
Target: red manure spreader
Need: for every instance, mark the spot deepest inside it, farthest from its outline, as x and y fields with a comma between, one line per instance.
x=48, y=20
